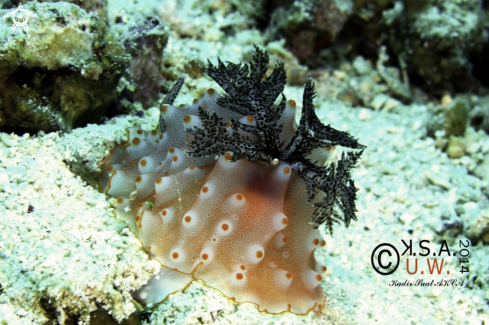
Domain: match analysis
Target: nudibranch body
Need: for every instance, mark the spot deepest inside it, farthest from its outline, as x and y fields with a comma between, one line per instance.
x=229, y=190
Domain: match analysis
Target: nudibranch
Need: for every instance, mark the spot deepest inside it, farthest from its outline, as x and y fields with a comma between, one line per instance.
x=230, y=190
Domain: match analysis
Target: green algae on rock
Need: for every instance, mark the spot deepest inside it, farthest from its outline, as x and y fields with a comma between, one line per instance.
x=60, y=74
x=452, y=120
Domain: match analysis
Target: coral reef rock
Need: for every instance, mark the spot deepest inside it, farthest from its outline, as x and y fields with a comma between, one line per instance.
x=60, y=74
x=309, y=26
x=435, y=40
x=145, y=37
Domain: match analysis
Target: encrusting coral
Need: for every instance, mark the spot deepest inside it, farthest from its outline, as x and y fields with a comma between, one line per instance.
x=231, y=191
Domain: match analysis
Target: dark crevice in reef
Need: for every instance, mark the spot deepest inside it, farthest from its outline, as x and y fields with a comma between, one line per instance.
x=27, y=94
x=97, y=317
x=262, y=22
x=480, y=65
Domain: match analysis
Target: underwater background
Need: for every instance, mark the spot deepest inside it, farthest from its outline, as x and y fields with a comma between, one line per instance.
x=408, y=79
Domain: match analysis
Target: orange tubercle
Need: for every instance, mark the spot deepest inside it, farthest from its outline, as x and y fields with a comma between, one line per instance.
x=163, y=108
x=228, y=156
x=136, y=141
